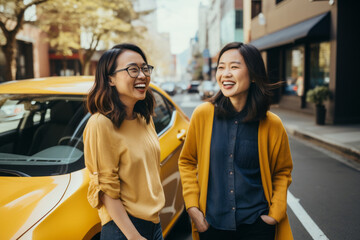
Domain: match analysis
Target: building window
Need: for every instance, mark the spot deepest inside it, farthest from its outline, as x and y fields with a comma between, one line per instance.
x=255, y=8
x=319, y=64
x=24, y=60
x=239, y=19
x=278, y=1
x=294, y=71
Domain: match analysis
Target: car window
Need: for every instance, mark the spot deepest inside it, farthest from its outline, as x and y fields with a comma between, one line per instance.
x=44, y=138
x=11, y=112
x=163, y=113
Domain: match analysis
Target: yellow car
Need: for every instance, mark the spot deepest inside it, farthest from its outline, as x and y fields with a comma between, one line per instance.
x=43, y=179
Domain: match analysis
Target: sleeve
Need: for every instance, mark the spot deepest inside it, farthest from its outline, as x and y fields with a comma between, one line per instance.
x=102, y=161
x=152, y=123
x=281, y=175
x=188, y=166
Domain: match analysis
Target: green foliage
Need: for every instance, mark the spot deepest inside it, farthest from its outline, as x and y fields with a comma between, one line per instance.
x=318, y=95
x=94, y=21
x=86, y=26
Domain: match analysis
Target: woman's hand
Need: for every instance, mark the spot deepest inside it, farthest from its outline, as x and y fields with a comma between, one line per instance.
x=198, y=218
x=269, y=220
x=118, y=213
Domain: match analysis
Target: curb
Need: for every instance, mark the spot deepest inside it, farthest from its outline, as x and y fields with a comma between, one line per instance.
x=346, y=151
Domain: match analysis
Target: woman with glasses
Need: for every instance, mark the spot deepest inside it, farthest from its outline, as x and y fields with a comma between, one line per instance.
x=236, y=165
x=121, y=148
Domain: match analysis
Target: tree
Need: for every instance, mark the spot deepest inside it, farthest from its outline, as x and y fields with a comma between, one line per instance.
x=156, y=47
x=11, y=22
x=95, y=22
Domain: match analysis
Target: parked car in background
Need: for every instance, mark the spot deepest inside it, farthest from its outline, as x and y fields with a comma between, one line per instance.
x=181, y=87
x=193, y=87
x=169, y=88
x=207, y=89
x=43, y=179
x=216, y=88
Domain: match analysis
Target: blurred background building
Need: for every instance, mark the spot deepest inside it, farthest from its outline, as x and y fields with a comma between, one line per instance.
x=304, y=43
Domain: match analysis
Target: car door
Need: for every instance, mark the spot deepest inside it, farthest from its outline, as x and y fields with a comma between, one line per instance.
x=171, y=128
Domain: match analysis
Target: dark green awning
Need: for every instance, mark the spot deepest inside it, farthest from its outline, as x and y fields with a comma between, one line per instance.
x=316, y=27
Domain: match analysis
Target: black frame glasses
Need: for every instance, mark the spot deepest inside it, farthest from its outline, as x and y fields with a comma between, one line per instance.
x=134, y=70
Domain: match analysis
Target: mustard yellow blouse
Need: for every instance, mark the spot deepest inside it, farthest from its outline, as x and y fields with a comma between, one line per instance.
x=124, y=163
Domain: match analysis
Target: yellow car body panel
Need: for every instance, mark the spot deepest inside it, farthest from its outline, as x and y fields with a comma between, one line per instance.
x=83, y=219
x=56, y=207
x=23, y=207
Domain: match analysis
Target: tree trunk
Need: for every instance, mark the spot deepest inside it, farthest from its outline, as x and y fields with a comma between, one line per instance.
x=9, y=50
x=86, y=62
x=86, y=70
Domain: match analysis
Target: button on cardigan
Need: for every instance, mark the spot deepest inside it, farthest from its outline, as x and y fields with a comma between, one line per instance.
x=124, y=163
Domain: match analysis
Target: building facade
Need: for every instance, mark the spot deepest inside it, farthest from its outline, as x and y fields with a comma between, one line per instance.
x=224, y=24
x=32, y=57
x=306, y=44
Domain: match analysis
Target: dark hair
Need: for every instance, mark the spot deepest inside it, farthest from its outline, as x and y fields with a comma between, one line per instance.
x=259, y=96
x=104, y=98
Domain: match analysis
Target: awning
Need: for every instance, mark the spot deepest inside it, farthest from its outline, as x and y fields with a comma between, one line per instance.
x=316, y=27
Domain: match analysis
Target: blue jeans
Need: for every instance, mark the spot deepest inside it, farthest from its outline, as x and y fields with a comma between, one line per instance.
x=147, y=229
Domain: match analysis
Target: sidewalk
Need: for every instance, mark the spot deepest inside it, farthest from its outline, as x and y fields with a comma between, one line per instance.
x=342, y=139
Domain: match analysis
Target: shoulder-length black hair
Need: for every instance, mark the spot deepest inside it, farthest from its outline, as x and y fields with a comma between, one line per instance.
x=104, y=98
x=259, y=96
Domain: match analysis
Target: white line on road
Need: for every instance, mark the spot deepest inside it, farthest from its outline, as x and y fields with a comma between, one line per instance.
x=304, y=218
x=190, y=104
x=186, y=98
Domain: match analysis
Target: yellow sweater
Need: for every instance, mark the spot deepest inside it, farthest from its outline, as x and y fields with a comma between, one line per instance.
x=274, y=157
x=124, y=163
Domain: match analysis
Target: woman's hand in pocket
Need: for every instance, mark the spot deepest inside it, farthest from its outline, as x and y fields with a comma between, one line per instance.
x=268, y=220
x=198, y=218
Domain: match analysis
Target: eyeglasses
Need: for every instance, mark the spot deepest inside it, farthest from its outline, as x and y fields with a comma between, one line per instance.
x=134, y=70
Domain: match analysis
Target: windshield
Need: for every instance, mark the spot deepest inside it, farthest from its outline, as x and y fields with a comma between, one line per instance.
x=41, y=135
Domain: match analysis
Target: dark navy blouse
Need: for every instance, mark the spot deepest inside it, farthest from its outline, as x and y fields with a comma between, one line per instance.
x=235, y=193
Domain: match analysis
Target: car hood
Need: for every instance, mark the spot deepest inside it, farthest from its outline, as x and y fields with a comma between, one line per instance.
x=25, y=200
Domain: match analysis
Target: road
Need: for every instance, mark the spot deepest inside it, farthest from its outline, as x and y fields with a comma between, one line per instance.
x=323, y=199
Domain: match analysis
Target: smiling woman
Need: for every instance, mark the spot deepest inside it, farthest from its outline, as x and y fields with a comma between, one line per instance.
x=236, y=164
x=122, y=151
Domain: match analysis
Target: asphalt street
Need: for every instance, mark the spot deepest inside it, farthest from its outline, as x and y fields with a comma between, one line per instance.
x=323, y=199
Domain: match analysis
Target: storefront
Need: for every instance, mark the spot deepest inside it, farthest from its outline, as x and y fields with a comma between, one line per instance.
x=299, y=56
x=306, y=44
x=61, y=65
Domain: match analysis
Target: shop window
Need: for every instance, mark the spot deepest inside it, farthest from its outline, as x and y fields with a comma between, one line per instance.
x=294, y=72
x=319, y=64
x=239, y=19
x=65, y=67
x=24, y=60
